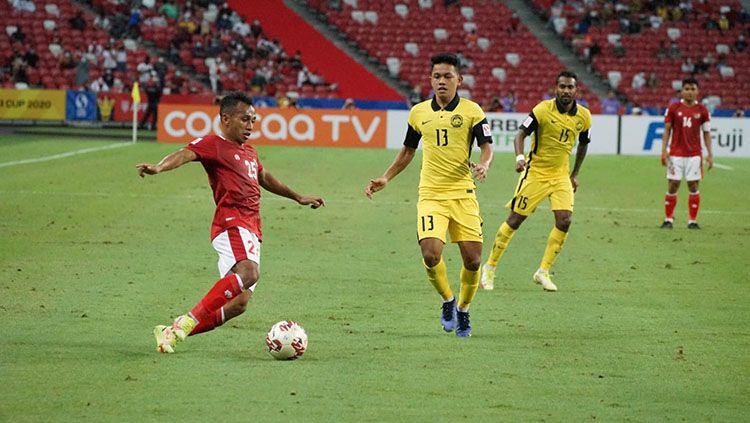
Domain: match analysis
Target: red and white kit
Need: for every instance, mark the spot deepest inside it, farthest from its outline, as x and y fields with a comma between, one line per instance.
x=685, y=151
x=233, y=175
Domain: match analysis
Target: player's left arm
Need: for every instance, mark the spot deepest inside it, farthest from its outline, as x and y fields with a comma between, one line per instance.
x=706, y=128
x=583, y=145
x=483, y=135
x=270, y=183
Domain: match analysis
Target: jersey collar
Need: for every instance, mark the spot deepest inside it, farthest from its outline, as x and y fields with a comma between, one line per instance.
x=573, y=110
x=449, y=107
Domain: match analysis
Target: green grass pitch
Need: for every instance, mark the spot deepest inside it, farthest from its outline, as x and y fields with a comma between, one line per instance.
x=648, y=325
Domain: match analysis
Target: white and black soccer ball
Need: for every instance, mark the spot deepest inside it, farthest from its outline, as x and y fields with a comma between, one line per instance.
x=286, y=340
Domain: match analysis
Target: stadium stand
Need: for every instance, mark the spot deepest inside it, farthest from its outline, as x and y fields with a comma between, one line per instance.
x=644, y=49
x=403, y=35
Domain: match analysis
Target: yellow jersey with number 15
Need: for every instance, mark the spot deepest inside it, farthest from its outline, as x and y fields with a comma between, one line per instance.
x=447, y=134
x=554, y=135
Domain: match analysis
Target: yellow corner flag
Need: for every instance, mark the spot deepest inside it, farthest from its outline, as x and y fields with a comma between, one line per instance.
x=136, y=94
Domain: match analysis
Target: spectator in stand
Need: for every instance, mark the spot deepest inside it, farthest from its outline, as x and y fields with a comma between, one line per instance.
x=144, y=70
x=674, y=52
x=161, y=67
x=710, y=22
x=109, y=61
x=153, y=88
x=82, y=72
x=169, y=9
x=55, y=47
x=688, y=66
x=495, y=105
x=739, y=113
x=509, y=102
x=102, y=22
x=636, y=111
x=121, y=58
x=740, y=45
x=31, y=58
x=77, y=22
x=349, y=104
x=108, y=78
x=619, y=50
x=652, y=81
x=415, y=96
x=134, y=22
x=594, y=51
x=611, y=105
x=99, y=86
x=724, y=23
x=662, y=50
x=639, y=80
x=256, y=29
x=18, y=35
x=514, y=22
x=67, y=61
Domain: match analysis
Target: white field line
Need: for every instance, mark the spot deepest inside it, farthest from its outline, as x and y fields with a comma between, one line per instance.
x=331, y=202
x=63, y=155
x=724, y=167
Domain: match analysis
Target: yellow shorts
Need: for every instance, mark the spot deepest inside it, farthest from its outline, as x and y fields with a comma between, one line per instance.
x=530, y=193
x=460, y=218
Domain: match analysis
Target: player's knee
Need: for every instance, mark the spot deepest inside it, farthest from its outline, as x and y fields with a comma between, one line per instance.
x=515, y=220
x=472, y=263
x=431, y=259
x=249, y=276
x=563, y=223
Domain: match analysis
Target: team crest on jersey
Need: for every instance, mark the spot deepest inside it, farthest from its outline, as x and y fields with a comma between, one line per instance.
x=579, y=126
x=697, y=115
x=457, y=121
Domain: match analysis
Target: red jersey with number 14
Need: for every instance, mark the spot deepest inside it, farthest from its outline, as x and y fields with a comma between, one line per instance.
x=687, y=126
x=233, y=175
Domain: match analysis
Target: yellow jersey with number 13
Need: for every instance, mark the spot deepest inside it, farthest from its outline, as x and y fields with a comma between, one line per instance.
x=447, y=134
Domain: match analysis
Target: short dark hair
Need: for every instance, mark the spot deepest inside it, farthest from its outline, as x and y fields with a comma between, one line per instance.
x=690, y=80
x=566, y=74
x=447, y=58
x=231, y=100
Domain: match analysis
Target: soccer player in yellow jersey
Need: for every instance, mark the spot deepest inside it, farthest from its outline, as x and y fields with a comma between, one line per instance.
x=447, y=125
x=555, y=123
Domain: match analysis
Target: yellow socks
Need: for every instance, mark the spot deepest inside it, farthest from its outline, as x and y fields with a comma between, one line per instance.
x=469, y=285
x=438, y=277
x=554, y=245
x=504, y=234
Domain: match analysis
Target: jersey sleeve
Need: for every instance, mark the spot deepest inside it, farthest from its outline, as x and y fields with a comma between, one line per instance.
x=481, y=132
x=204, y=148
x=669, y=114
x=412, y=134
x=531, y=123
x=585, y=135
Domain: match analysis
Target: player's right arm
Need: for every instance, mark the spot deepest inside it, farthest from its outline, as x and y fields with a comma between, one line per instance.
x=665, y=136
x=171, y=161
x=527, y=127
x=402, y=160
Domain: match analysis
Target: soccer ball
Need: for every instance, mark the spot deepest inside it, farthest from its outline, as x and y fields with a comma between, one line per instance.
x=286, y=340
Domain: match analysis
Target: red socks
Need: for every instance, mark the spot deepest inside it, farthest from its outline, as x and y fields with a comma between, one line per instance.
x=670, y=202
x=694, y=203
x=223, y=290
x=214, y=320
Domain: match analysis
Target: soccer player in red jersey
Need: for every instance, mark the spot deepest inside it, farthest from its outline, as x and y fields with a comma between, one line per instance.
x=682, y=154
x=236, y=176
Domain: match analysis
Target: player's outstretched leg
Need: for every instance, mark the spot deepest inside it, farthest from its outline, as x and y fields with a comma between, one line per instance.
x=487, y=280
x=165, y=339
x=448, y=315
x=183, y=325
x=542, y=277
x=464, y=324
